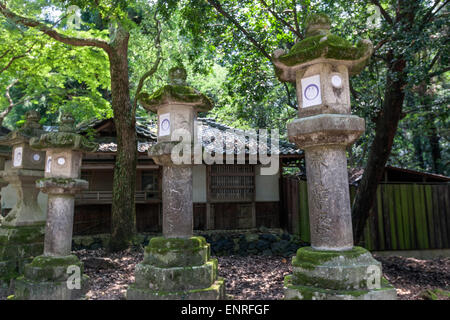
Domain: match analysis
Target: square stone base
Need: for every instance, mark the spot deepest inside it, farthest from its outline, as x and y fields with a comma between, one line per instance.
x=298, y=292
x=46, y=278
x=5, y=289
x=214, y=292
x=337, y=275
x=177, y=269
x=18, y=246
x=48, y=290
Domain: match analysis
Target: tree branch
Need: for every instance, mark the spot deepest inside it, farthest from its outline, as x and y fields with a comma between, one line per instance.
x=354, y=93
x=439, y=72
x=23, y=55
x=154, y=68
x=289, y=97
x=11, y=104
x=5, y=53
x=51, y=32
x=431, y=14
x=380, y=44
x=264, y=3
x=386, y=15
x=297, y=26
x=220, y=9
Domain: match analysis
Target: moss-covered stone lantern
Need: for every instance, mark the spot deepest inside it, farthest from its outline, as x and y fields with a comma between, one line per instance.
x=320, y=65
x=22, y=230
x=47, y=276
x=177, y=265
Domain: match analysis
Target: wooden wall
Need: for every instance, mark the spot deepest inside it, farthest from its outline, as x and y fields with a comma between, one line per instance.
x=95, y=219
x=199, y=216
x=409, y=216
x=92, y=219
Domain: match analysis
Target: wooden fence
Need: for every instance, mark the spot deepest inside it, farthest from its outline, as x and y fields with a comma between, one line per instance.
x=408, y=216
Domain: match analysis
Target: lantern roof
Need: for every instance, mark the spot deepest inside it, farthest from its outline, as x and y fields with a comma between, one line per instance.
x=321, y=46
x=176, y=92
x=64, y=138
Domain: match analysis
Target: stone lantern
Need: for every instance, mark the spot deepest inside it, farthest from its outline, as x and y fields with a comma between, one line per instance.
x=5, y=155
x=22, y=230
x=176, y=265
x=320, y=66
x=57, y=275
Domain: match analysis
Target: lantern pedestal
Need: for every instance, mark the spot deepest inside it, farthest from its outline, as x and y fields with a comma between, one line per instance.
x=18, y=246
x=56, y=275
x=177, y=269
x=176, y=266
x=22, y=230
x=336, y=275
x=47, y=278
x=320, y=65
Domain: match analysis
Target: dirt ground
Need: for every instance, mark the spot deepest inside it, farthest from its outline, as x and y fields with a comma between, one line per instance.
x=261, y=277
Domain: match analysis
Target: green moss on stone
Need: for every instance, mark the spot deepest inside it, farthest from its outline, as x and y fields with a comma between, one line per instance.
x=305, y=280
x=7, y=275
x=177, y=93
x=308, y=258
x=61, y=183
x=63, y=140
x=311, y=293
x=162, y=245
x=22, y=234
x=318, y=18
x=216, y=286
x=326, y=46
x=49, y=261
x=57, y=180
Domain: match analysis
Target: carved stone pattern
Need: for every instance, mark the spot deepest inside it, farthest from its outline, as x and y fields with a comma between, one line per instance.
x=177, y=202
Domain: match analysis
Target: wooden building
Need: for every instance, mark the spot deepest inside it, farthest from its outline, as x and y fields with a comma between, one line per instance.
x=226, y=196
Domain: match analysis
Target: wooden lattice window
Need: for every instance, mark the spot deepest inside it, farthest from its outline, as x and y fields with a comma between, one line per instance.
x=231, y=183
x=86, y=175
x=150, y=184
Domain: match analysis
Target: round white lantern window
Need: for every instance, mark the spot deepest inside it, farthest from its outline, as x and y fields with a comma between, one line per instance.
x=336, y=81
x=61, y=161
x=36, y=157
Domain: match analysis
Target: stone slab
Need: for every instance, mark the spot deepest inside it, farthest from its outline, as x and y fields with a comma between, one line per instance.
x=177, y=278
x=176, y=252
x=26, y=211
x=214, y=292
x=18, y=246
x=346, y=270
x=45, y=268
x=298, y=292
x=325, y=129
x=49, y=290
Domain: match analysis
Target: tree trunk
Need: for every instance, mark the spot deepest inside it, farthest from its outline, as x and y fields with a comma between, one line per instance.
x=435, y=148
x=386, y=127
x=123, y=207
x=386, y=123
x=417, y=142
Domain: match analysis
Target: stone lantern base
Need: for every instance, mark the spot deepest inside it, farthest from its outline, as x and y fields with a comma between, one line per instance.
x=46, y=278
x=18, y=246
x=177, y=269
x=337, y=275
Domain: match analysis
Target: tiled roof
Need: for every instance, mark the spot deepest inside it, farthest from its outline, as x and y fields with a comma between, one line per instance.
x=208, y=131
